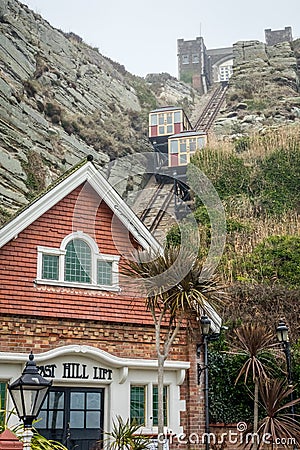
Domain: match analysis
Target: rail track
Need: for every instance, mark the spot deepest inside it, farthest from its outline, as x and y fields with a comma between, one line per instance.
x=154, y=207
x=156, y=198
x=157, y=206
x=212, y=108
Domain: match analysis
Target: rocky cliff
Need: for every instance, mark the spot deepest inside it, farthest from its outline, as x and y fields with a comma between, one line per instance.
x=264, y=88
x=60, y=100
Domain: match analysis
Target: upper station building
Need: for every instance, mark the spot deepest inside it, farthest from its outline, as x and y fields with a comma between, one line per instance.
x=274, y=37
x=202, y=67
x=63, y=297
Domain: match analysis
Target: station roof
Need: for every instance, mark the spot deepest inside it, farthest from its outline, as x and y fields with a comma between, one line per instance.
x=166, y=108
x=188, y=134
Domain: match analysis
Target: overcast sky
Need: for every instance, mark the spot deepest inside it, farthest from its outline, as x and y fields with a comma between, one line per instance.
x=142, y=35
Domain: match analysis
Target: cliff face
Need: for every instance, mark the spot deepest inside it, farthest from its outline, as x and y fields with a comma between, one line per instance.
x=264, y=88
x=60, y=100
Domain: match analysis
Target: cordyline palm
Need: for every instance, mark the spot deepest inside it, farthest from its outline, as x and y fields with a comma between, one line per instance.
x=253, y=341
x=279, y=424
x=176, y=288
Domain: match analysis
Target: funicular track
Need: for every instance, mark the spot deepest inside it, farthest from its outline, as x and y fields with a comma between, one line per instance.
x=157, y=206
x=154, y=203
x=212, y=108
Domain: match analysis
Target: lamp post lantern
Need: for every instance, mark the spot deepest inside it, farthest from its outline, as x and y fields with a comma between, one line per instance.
x=28, y=394
x=283, y=338
x=205, y=324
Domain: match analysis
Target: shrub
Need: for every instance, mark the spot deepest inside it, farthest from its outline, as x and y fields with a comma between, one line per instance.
x=227, y=172
x=52, y=109
x=276, y=259
x=229, y=403
x=279, y=179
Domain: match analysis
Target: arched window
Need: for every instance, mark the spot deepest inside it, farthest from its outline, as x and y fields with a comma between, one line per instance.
x=78, y=261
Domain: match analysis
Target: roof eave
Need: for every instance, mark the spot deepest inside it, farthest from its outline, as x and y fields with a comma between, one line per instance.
x=88, y=173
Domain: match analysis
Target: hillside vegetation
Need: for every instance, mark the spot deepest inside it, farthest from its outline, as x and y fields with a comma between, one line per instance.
x=258, y=181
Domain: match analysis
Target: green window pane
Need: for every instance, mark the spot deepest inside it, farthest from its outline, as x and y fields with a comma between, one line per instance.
x=50, y=267
x=137, y=404
x=78, y=261
x=2, y=402
x=155, y=405
x=104, y=273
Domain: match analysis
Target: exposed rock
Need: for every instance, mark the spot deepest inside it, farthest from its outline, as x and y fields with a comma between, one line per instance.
x=63, y=100
x=264, y=87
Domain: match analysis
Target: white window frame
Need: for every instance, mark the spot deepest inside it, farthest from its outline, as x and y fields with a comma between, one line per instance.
x=149, y=404
x=95, y=256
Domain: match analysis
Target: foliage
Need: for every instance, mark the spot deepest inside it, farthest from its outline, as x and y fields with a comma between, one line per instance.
x=278, y=422
x=229, y=402
x=176, y=282
x=257, y=104
x=277, y=180
x=173, y=237
x=227, y=172
x=265, y=168
x=276, y=259
x=144, y=93
x=264, y=304
x=4, y=215
x=36, y=173
x=253, y=341
x=186, y=77
x=124, y=436
x=38, y=442
x=242, y=144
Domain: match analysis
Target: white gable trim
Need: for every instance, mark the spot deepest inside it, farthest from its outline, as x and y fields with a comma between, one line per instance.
x=88, y=173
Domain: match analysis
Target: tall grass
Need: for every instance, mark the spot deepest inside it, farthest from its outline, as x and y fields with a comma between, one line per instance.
x=247, y=207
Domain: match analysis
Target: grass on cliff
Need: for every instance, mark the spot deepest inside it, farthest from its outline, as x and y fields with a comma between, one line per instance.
x=259, y=184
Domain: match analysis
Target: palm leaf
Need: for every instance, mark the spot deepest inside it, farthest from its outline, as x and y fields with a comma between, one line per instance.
x=279, y=422
x=253, y=341
x=176, y=281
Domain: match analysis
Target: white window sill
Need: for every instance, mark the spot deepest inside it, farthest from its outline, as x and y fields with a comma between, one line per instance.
x=78, y=285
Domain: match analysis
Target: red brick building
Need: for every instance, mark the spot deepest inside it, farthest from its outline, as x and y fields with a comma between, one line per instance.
x=63, y=297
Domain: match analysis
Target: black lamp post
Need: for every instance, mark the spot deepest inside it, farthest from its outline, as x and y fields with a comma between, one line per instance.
x=283, y=338
x=205, y=324
x=28, y=393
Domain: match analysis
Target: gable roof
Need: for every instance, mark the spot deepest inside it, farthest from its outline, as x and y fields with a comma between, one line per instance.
x=87, y=172
x=64, y=186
